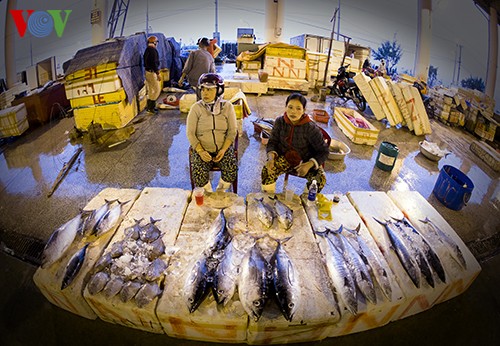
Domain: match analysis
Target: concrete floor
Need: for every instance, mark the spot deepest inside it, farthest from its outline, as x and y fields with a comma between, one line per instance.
x=156, y=156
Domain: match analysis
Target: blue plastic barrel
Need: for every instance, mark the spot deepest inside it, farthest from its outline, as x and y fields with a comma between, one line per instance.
x=453, y=188
x=387, y=154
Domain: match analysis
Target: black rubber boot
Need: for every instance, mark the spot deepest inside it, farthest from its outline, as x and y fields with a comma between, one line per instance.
x=151, y=106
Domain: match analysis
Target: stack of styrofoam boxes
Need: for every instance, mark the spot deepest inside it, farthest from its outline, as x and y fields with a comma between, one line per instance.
x=97, y=96
x=13, y=121
x=9, y=95
x=316, y=65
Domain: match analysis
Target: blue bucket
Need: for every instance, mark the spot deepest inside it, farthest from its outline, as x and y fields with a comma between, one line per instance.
x=453, y=188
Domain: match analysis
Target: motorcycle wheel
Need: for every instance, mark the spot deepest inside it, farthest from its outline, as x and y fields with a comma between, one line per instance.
x=359, y=100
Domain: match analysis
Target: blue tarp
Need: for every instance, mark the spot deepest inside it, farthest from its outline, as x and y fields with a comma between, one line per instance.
x=128, y=53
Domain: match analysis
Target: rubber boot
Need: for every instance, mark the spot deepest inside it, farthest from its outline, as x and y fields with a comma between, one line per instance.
x=208, y=187
x=223, y=186
x=271, y=188
x=151, y=106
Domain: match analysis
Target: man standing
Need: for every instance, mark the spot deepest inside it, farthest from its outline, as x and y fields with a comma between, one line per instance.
x=199, y=62
x=152, y=66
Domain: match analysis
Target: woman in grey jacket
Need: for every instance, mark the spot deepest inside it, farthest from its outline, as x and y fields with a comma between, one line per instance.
x=296, y=146
x=211, y=130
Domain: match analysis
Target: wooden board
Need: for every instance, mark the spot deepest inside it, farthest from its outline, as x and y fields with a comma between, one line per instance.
x=207, y=323
x=378, y=204
x=49, y=280
x=369, y=315
x=386, y=99
x=417, y=208
x=398, y=95
x=317, y=308
x=167, y=205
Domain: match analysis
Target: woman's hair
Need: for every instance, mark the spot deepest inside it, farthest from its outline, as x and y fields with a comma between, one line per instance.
x=297, y=96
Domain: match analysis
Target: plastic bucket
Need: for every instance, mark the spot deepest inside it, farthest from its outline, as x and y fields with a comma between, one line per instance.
x=453, y=188
x=387, y=155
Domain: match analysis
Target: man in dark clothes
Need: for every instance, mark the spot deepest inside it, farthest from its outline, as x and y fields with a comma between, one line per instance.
x=152, y=66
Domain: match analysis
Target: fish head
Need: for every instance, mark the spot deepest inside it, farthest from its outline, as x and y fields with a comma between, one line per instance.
x=289, y=311
x=257, y=308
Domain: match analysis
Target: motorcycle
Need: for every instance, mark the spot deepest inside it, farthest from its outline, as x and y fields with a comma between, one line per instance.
x=345, y=87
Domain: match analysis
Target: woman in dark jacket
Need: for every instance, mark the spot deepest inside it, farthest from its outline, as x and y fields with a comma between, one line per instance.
x=296, y=146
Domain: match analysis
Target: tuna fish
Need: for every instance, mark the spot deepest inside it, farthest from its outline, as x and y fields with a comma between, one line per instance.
x=358, y=269
x=286, y=282
x=448, y=242
x=226, y=276
x=404, y=253
x=113, y=287
x=429, y=253
x=374, y=264
x=146, y=294
x=95, y=218
x=60, y=241
x=110, y=219
x=343, y=282
x=73, y=267
x=129, y=290
x=197, y=283
x=149, y=233
x=254, y=282
x=283, y=212
x=265, y=212
x=97, y=282
x=220, y=236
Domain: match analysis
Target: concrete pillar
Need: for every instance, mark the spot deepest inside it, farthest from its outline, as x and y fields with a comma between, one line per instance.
x=274, y=20
x=100, y=22
x=424, y=32
x=9, y=48
x=491, y=76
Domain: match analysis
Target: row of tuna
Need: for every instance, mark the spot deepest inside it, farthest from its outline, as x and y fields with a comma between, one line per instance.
x=355, y=268
x=267, y=213
x=90, y=225
x=224, y=267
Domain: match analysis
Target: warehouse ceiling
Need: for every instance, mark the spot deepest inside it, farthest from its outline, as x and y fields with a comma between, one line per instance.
x=486, y=4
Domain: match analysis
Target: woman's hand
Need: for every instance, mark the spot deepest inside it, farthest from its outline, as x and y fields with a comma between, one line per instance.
x=205, y=155
x=219, y=155
x=270, y=161
x=303, y=168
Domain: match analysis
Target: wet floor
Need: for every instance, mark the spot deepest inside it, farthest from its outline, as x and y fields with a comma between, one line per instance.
x=155, y=155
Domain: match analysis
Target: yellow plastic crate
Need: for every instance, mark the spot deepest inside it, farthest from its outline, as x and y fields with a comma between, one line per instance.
x=110, y=116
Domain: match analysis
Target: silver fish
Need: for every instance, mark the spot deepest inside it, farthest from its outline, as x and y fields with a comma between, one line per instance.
x=286, y=282
x=283, y=212
x=254, y=282
x=157, y=248
x=73, y=267
x=97, y=282
x=95, y=218
x=103, y=262
x=110, y=219
x=430, y=255
x=146, y=294
x=129, y=290
x=155, y=270
x=448, y=242
x=374, y=264
x=220, y=236
x=132, y=232
x=403, y=252
x=113, y=287
x=226, y=276
x=359, y=269
x=197, y=283
x=343, y=282
x=149, y=233
x=60, y=241
x=265, y=212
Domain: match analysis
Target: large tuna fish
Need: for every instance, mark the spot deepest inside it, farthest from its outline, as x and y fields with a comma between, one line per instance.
x=283, y=212
x=60, y=241
x=73, y=267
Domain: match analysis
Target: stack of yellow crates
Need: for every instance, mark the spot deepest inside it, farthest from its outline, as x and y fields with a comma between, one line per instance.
x=13, y=121
x=97, y=96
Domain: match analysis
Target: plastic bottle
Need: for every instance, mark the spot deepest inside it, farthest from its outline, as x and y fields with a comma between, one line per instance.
x=313, y=190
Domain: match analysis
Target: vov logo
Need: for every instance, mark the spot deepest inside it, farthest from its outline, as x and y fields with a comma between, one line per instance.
x=40, y=23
